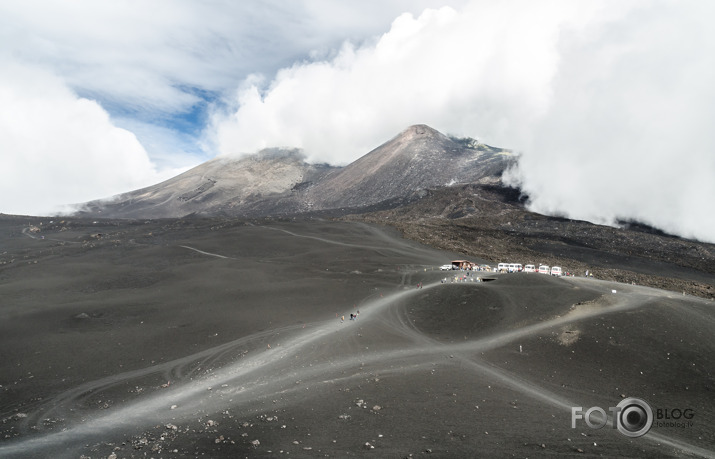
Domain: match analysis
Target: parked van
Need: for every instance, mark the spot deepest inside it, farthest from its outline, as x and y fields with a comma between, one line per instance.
x=556, y=271
x=543, y=269
x=529, y=269
x=503, y=267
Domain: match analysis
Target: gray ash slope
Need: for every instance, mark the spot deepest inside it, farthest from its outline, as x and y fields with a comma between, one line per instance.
x=435, y=189
x=419, y=158
x=491, y=222
x=261, y=184
x=281, y=182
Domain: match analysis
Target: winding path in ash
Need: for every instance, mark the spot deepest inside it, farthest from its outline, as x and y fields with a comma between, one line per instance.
x=300, y=358
x=206, y=253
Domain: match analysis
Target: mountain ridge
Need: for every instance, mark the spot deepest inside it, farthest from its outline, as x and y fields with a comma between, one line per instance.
x=281, y=182
x=421, y=157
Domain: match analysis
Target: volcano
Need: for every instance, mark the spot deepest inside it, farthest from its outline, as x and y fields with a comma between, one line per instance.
x=212, y=318
x=281, y=182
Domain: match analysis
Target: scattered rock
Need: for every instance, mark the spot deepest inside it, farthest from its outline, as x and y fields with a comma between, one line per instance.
x=139, y=444
x=255, y=443
x=369, y=446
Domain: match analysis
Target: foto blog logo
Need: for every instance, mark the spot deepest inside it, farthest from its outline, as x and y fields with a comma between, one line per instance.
x=632, y=417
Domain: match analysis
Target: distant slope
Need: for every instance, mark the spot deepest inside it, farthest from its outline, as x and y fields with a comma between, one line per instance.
x=219, y=186
x=419, y=158
x=490, y=222
x=280, y=182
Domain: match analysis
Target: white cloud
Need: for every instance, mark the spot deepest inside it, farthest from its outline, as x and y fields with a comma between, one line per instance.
x=479, y=71
x=609, y=104
x=628, y=133
x=58, y=148
x=153, y=55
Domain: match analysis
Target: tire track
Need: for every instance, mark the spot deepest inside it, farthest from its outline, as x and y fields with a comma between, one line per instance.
x=295, y=365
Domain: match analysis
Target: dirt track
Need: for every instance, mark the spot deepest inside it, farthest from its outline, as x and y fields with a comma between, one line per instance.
x=176, y=339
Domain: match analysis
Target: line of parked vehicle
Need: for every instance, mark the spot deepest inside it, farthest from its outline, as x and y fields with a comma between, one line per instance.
x=517, y=268
x=512, y=268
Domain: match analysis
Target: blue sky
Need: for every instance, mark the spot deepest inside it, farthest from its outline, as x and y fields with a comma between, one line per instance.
x=609, y=104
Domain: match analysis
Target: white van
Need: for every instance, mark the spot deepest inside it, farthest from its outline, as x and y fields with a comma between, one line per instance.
x=543, y=269
x=503, y=267
x=556, y=271
x=529, y=269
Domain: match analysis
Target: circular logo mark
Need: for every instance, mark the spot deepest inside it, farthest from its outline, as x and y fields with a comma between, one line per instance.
x=634, y=418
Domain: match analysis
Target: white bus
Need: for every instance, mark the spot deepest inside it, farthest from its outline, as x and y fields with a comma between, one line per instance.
x=556, y=271
x=544, y=269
